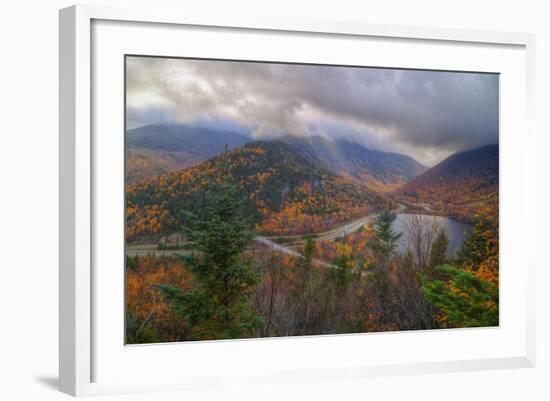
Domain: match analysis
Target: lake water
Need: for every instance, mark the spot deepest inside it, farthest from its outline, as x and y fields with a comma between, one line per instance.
x=455, y=230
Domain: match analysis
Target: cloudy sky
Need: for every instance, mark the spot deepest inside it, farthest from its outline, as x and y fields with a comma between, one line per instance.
x=425, y=114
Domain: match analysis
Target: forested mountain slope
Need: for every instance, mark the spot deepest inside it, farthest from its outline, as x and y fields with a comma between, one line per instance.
x=459, y=185
x=283, y=192
x=155, y=150
x=378, y=170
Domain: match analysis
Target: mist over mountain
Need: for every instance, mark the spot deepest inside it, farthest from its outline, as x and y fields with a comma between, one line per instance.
x=425, y=114
x=154, y=150
x=371, y=167
x=196, y=140
x=159, y=149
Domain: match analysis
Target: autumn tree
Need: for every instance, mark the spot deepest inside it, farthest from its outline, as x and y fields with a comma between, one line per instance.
x=301, y=286
x=270, y=295
x=148, y=317
x=479, y=244
x=218, y=306
x=411, y=309
x=407, y=260
x=305, y=289
x=479, y=252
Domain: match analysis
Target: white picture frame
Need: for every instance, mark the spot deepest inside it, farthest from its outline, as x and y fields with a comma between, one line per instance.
x=78, y=161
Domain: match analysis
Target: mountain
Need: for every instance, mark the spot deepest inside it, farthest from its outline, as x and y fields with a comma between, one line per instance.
x=378, y=170
x=459, y=185
x=143, y=164
x=184, y=138
x=155, y=150
x=284, y=193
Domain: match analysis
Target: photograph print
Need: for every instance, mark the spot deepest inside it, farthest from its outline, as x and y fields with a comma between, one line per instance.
x=278, y=199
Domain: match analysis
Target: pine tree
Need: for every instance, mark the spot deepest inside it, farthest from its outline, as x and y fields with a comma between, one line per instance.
x=438, y=253
x=383, y=245
x=219, y=304
x=305, y=263
x=386, y=239
x=132, y=263
x=465, y=299
x=342, y=272
x=467, y=294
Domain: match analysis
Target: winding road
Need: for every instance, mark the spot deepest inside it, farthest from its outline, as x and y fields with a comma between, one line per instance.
x=330, y=235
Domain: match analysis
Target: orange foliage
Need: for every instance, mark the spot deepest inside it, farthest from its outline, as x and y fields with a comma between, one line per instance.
x=143, y=299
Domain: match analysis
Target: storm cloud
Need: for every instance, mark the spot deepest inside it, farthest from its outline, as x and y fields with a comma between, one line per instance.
x=426, y=114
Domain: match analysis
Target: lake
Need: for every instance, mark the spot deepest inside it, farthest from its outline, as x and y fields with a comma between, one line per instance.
x=456, y=231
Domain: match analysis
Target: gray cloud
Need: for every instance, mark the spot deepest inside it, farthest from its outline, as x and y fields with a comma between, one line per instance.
x=138, y=117
x=426, y=114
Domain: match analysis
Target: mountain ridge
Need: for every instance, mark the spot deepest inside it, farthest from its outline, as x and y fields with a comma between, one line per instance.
x=377, y=169
x=155, y=150
x=159, y=149
x=460, y=184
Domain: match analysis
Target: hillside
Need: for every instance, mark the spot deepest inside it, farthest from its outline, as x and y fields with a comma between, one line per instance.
x=155, y=150
x=143, y=164
x=381, y=171
x=459, y=185
x=285, y=193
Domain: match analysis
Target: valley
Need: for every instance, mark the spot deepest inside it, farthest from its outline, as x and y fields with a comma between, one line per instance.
x=284, y=244
x=295, y=186
x=329, y=216
x=271, y=199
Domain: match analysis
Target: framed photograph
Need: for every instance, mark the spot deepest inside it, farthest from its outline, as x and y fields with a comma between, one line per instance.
x=265, y=201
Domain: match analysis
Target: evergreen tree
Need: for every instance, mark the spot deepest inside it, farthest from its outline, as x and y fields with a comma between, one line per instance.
x=383, y=245
x=466, y=299
x=481, y=243
x=132, y=263
x=386, y=239
x=438, y=253
x=219, y=304
x=342, y=272
x=305, y=263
